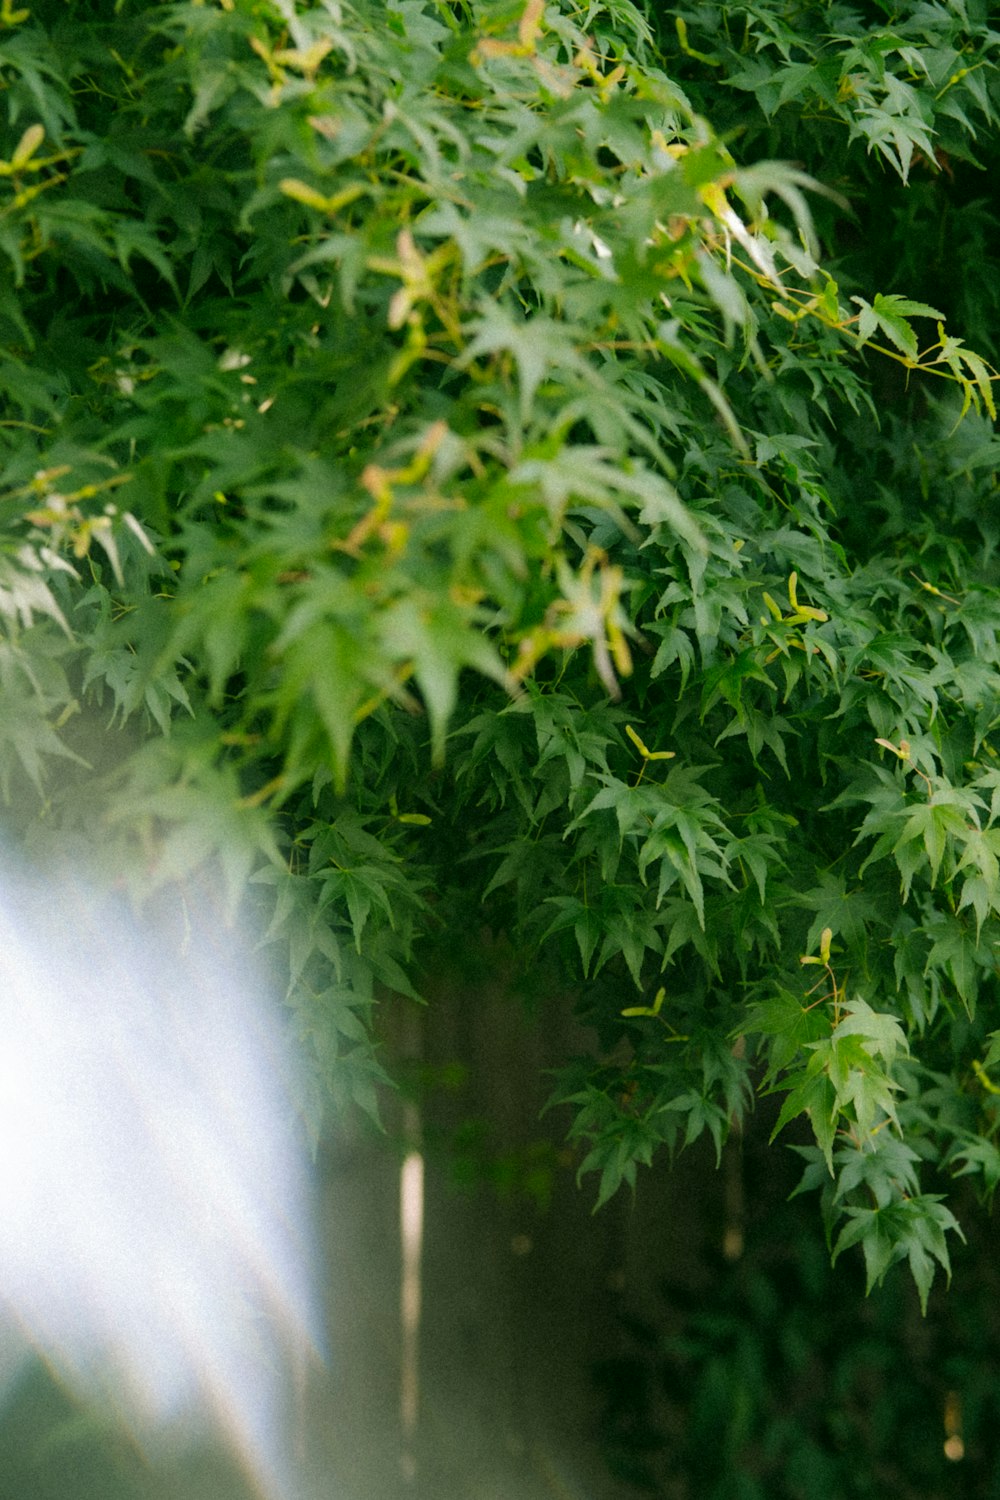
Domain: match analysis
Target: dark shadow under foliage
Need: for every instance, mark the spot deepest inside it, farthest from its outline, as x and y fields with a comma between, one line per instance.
x=772, y=1377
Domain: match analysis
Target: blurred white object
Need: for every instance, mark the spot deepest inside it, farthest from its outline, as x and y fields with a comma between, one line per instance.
x=154, y=1227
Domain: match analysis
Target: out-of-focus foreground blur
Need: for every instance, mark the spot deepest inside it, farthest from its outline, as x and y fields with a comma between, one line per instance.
x=156, y=1248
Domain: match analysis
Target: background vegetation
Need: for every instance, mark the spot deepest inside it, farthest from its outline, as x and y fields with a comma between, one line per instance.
x=532, y=466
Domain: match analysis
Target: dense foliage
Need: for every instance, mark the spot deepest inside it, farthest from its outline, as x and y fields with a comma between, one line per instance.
x=770, y=1376
x=458, y=471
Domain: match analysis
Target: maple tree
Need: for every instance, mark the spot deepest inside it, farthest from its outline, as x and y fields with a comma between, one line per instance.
x=454, y=466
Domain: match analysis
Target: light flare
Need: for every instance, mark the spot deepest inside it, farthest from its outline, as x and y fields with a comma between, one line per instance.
x=155, y=1243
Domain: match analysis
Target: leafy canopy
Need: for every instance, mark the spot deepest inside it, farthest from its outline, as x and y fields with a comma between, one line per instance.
x=454, y=470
